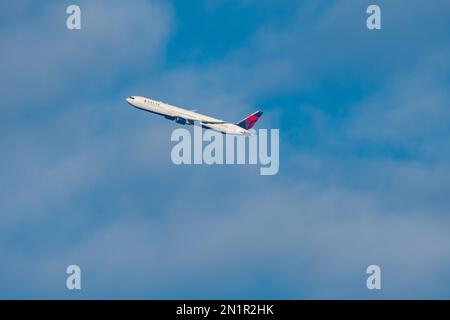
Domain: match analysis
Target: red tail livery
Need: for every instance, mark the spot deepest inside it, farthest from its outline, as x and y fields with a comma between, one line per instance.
x=250, y=121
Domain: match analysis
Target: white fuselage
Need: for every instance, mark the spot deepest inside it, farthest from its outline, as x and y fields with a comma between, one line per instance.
x=184, y=116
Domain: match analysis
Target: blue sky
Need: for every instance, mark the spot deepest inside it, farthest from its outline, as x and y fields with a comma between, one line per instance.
x=364, y=150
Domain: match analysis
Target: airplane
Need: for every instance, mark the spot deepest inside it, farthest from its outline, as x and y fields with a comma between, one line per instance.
x=188, y=117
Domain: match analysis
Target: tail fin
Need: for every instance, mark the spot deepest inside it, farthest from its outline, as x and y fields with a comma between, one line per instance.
x=250, y=121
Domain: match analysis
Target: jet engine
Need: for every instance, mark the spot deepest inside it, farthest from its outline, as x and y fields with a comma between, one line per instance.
x=182, y=121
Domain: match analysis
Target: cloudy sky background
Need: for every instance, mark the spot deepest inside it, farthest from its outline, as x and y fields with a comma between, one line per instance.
x=364, y=150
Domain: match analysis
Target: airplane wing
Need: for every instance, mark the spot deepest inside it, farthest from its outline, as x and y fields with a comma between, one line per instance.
x=191, y=119
x=208, y=125
x=212, y=122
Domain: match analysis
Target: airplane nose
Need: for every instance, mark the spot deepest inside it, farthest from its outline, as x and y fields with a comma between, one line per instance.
x=129, y=100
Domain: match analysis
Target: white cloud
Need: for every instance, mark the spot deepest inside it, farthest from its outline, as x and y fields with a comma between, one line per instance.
x=413, y=108
x=43, y=62
x=325, y=243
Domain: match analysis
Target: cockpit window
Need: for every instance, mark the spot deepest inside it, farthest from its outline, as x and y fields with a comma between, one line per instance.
x=132, y=98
